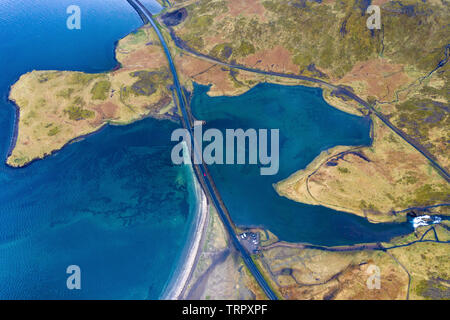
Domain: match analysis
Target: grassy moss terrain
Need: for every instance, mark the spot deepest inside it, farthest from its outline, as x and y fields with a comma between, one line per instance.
x=372, y=182
x=400, y=69
x=300, y=272
x=332, y=35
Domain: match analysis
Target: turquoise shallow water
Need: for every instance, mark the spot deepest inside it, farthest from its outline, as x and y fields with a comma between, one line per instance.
x=113, y=204
x=307, y=126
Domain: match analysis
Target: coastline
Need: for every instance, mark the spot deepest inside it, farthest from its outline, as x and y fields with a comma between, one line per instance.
x=186, y=264
x=13, y=141
x=18, y=111
x=16, y=107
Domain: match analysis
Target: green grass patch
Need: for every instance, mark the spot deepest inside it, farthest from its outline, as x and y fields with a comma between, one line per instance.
x=138, y=37
x=245, y=49
x=65, y=93
x=222, y=51
x=100, y=90
x=343, y=170
x=53, y=131
x=78, y=113
x=80, y=78
x=149, y=82
x=429, y=194
x=201, y=22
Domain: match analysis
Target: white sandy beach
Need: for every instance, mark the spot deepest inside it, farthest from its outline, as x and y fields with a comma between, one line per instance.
x=183, y=272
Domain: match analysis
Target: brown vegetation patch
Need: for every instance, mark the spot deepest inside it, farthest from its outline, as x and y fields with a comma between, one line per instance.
x=144, y=58
x=204, y=72
x=277, y=59
x=382, y=78
x=164, y=101
x=350, y=284
x=247, y=7
x=212, y=41
x=103, y=112
x=192, y=67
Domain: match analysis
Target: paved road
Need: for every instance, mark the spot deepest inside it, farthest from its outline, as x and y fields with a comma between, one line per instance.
x=202, y=168
x=337, y=89
x=405, y=137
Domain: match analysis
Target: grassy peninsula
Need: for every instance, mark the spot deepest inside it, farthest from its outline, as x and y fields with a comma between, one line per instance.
x=56, y=107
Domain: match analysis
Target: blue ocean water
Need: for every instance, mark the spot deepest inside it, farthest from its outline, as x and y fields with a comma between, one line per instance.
x=307, y=126
x=113, y=203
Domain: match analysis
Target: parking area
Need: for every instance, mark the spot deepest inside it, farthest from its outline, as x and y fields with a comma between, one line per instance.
x=250, y=241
